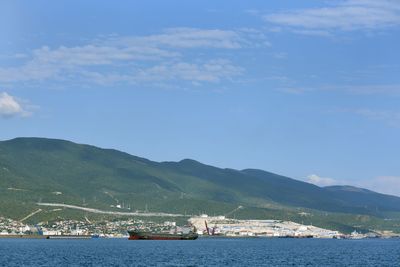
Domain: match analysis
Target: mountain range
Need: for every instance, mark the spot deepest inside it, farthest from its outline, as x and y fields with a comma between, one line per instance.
x=36, y=170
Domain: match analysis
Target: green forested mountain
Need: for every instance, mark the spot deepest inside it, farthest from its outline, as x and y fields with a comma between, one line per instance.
x=47, y=170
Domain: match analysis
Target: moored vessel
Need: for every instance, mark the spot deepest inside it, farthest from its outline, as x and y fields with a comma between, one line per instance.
x=182, y=234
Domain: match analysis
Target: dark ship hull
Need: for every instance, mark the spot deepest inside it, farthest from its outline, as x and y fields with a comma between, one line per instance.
x=141, y=235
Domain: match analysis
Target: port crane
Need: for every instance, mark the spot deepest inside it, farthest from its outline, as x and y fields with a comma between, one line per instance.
x=210, y=231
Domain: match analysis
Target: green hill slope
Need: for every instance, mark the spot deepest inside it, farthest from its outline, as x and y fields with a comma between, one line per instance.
x=47, y=170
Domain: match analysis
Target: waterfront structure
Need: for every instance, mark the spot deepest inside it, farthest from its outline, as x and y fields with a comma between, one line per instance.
x=265, y=228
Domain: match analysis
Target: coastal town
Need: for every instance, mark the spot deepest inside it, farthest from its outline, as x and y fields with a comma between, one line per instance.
x=204, y=225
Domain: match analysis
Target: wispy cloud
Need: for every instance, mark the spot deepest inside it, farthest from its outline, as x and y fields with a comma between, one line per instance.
x=384, y=184
x=134, y=59
x=295, y=90
x=12, y=107
x=381, y=184
x=59, y=63
x=292, y=87
x=209, y=71
x=350, y=15
x=389, y=117
x=373, y=89
x=364, y=89
x=321, y=181
x=184, y=38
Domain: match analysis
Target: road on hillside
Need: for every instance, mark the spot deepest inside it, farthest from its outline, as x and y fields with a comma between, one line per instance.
x=142, y=214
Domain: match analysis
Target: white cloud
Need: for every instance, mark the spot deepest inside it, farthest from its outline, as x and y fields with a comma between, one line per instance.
x=196, y=73
x=290, y=86
x=211, y=71
x=58, y=63
x=350, y=15
x=384, y=184
x=133, y=59
x=98, y=54
x=390, y=117
x=280, y=55
x=295, y=90
x=383, y=89
x=185, y=38
x=11, y=107
x=321, y=181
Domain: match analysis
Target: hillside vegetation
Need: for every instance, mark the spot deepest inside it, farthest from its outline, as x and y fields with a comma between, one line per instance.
x=36, y=170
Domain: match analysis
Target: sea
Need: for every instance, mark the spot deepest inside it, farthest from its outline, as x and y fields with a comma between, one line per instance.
x=200, y=252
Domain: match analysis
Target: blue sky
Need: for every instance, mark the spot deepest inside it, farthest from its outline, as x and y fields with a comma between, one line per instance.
x=307, y=89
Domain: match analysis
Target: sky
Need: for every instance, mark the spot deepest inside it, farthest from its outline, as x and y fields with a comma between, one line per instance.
x=306, y=89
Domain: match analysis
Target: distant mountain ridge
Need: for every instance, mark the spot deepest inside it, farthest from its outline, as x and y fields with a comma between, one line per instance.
x=33, y=169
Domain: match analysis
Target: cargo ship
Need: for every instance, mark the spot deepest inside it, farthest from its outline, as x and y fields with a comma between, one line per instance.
x=137, y=234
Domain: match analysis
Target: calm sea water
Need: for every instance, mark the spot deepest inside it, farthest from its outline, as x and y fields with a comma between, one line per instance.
x=201, y=252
